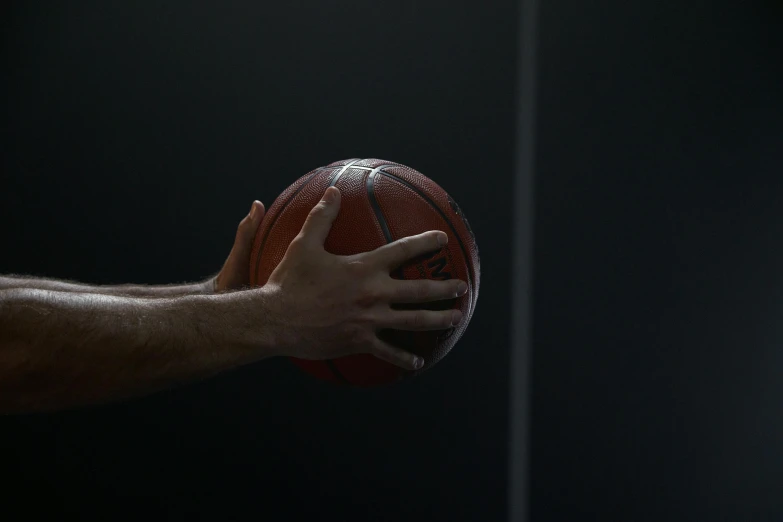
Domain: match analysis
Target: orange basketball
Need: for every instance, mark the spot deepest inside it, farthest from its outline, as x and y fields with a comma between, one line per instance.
x=381, y=203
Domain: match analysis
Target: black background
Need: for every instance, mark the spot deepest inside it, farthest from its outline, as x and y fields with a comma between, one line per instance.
x=135, y=138
x=657, y=358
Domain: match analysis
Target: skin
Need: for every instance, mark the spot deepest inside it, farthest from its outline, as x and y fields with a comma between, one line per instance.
x=65, y=344
x=233, y=276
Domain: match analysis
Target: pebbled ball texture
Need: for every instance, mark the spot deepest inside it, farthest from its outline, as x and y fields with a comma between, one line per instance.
x=381, y=202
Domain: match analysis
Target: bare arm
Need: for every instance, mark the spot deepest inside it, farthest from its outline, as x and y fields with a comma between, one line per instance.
x=61, y=349
x=8, y=282
x=233, y=276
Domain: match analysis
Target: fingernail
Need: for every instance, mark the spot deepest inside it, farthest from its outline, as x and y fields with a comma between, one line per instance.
x=456, y=317
x=329, y=195
x=461, y=289
x=418, y=363
x=253, y=211
x=442, y=239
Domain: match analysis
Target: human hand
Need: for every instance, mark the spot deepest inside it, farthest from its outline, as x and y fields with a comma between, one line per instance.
x=235, y=273
x=323, y=306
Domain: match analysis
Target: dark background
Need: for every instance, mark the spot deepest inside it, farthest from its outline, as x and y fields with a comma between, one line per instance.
x=134, y=139
x=136, y=136
x=657, y=357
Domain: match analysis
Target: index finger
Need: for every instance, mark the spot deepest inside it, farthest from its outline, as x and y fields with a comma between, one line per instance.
x=396, y=253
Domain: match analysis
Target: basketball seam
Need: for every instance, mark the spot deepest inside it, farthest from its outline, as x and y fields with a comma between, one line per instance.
x=330, y=362
x=374, y=203
x=344, y=168
x=471, y=275
x=400, y=272
x=280, y=212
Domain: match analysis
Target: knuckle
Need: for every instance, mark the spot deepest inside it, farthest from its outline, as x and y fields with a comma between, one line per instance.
x=422, y=291
x=356, y=267
x=430, y=320
x=404, y=246
x=318, y=212
x=244, y=228
x=369, y=297
x=360, y=332
x=355, y=335
x=319, y=207
x=396, y=360
x=244, y=224
x=416, y=319
x=297, y=244
x=364, y=338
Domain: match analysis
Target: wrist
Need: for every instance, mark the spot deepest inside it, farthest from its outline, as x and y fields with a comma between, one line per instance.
x=247, y=321
x=208, y=287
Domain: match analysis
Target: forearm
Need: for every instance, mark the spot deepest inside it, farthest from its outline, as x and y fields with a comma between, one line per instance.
x=62, y=349
x=197, y=288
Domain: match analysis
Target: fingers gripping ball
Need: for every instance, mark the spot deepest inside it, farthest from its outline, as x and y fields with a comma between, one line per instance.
x=381, y=202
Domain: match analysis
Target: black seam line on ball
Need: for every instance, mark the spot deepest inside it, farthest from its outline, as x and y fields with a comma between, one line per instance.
x=342, y=171
x=350, y=161
x=399, y=272
x=330, y=362
x=374, y=203
x=434, y=205
x=280, y=212
x=336, y=372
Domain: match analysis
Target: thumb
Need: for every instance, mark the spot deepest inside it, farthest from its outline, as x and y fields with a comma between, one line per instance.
x=248, y=226
x=319, y=221
x=257, y=212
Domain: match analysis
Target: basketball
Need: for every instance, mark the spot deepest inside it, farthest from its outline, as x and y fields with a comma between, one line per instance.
x=382, y=202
